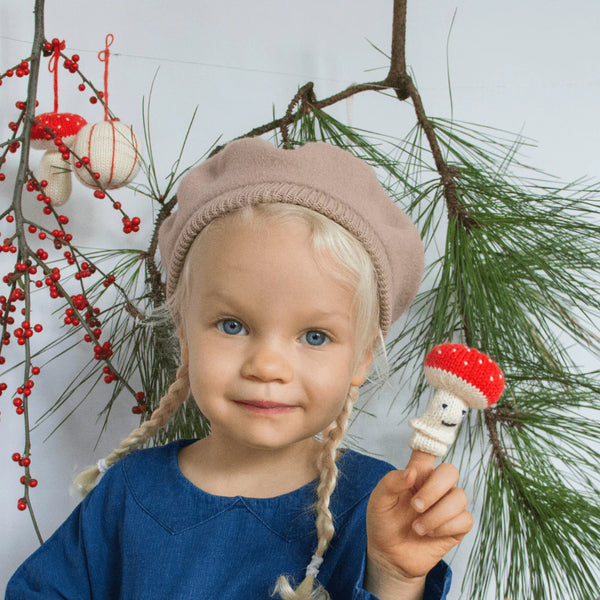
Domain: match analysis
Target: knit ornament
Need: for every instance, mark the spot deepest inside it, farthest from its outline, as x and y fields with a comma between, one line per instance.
x=112, y=149
x=463, y=377
x=54, y=168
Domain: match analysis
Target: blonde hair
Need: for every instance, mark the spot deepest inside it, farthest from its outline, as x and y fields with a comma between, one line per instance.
x=346, y=259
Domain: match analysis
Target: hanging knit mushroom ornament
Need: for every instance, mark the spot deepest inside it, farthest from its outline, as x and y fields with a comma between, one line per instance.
x=55, y=133
x=108, y=148
x=463, y=378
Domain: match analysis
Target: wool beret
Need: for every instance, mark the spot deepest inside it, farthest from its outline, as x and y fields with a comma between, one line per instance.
x=318, y=176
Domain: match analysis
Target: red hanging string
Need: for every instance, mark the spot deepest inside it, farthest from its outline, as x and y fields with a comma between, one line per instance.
x=103, y=56
x=53, y=68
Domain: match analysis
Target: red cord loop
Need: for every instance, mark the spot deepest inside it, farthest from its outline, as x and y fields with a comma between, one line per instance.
x=104, y=56
x=53, y=67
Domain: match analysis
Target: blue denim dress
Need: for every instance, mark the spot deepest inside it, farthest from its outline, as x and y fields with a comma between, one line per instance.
x=146, y=532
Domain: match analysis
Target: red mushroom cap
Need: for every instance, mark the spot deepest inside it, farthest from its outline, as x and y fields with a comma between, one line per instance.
x=63, y=125
x=465, y=372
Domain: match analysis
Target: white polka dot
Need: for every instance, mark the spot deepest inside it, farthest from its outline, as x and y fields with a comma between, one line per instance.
x=491, y=379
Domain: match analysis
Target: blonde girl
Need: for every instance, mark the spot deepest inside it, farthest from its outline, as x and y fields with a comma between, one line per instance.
x=285, y=270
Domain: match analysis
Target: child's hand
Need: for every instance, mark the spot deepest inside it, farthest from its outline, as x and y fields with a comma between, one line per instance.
x=414, y=518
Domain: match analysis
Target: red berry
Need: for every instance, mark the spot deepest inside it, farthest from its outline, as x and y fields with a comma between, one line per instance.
x=81, y=87
x=33, y=483
x=22, y=505
x=16, y=457
x=93, y=100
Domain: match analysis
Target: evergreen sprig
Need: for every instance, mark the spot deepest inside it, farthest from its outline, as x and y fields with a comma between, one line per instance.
x=516, y=276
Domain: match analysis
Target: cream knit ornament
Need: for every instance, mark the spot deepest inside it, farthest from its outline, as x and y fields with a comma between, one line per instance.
x=112, y=149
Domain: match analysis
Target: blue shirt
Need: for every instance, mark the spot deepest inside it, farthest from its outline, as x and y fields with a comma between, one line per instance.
x=147, y=532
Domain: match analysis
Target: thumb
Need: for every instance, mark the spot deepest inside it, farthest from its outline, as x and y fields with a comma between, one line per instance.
x=422, y=463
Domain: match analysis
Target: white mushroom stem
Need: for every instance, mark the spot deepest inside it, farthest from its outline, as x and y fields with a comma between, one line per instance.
x=57, y=172
x=436, y=428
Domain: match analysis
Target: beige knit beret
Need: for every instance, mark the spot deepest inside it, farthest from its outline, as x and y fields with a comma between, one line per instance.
x=319, y=176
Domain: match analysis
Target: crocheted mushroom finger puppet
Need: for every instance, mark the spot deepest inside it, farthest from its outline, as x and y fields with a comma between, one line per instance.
x=463, y=378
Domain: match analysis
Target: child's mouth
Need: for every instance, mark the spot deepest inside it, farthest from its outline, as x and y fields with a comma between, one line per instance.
x=265, y=406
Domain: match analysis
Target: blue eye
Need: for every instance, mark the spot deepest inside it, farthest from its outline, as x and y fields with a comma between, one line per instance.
x=315, y=338
x=231, y=327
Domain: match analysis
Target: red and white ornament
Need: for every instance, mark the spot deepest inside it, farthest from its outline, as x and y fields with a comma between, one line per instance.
x=56, y=133
x=112, y=150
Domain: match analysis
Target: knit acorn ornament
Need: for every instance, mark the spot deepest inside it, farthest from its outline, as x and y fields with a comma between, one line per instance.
x=112, y=150
x=463, y=378
x=109, y=148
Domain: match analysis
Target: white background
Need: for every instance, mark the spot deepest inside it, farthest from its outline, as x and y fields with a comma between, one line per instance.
x=527, y=66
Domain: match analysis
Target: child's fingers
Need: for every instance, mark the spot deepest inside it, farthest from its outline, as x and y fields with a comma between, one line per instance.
x=385, y=495
x=449, y=507
x=437, y=485
x=456, y=528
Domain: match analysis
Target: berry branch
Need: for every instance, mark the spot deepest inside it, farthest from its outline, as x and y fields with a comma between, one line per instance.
x=79, y=311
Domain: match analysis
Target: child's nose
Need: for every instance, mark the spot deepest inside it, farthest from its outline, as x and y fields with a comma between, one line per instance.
x=266, y=362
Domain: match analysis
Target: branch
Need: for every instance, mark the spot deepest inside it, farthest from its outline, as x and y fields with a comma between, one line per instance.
x=38, y=40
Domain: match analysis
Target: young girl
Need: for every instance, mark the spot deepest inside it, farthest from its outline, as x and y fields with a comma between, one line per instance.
x=285, y=270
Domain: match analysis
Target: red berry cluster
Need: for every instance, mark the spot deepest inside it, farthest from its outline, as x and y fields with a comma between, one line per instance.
x=24, y=461
x=141, y=405
x=109, y=376
x=72, y=64
x=21, y=70
x=130, y=225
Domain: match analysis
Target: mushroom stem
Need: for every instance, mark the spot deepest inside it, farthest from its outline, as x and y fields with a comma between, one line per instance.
x=57, y=172
x=437, y=427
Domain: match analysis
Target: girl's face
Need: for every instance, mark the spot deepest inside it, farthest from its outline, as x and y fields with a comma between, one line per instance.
x=269, y=334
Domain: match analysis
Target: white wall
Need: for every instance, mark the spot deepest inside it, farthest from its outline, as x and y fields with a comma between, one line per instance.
x=523, y=66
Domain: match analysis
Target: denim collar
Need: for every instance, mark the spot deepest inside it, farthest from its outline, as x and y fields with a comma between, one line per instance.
x=164, y=493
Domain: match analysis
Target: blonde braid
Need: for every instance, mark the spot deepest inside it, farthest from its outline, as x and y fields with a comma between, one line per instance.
x=328, y=475
x=176, y=395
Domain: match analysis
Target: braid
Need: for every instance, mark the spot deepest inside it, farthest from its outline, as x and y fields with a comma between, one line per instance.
x=176, y=395
x=328, y=474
